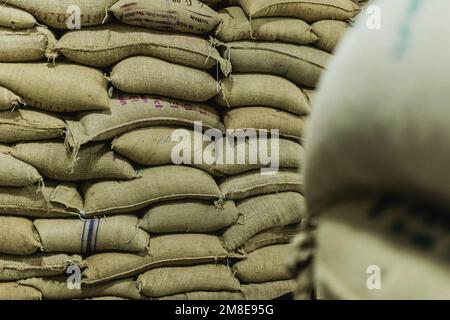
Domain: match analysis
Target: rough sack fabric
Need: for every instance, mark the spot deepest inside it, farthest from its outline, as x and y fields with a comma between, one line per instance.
x=309, y=10
x=263, y=90
x=16, y=173
x=162, y=282
x=18, y=236
x=237, y=26
x=206, y=295
x=27, y=45
x=265, y=265
x=55, y=161
x=116, y=233
x=166, y=250
x=355, y=140
x=268, y=290
x=264, y=212
x=36, y=265
x=174, y=16
x=14, y=291
x=303, y=65
x=28, y=125
x=15, y=18
x=272, y=236
x=188, y=216
x=263, y=118
x=330, y=33
x=106, y=45
x=49, y=201
x=147, y=75
x=56, y=14
x=157, y=184
x=253, y=183
x=61, y=87
x=8, y=99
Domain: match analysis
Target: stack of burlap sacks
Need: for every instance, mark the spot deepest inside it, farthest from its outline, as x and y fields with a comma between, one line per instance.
x=87, y=180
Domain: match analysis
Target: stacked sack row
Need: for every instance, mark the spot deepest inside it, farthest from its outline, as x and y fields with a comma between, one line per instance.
x=278, y=51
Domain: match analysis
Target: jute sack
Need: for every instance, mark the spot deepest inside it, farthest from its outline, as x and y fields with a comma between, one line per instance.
x=49, y=201
x=27, y=45
x=149, y=75
x=57, y=289
x=268, y=290
x=330, y=33
x=407, y=241
x=130, y=112
x=56, y=14
x=15, y=18
x=264, y=212
x=309, y=10
x=263, y=118
x=55, y=161
x=394, y=137
x=8, y=99
x=237, y=26
x=166, y=250
x=104, y=46
x=175, y=16
x=59, y=86
x=264, y=265
x=28, y=125
x=302, y=65
x=16, y=173
x=272, y=236
x=18, y=236
x=188, y=216
x=253, y=183
x=36, y=265
x=162, y=282
x=14, y=291
x=116, y=233
x=206, y=295
x=262, y=90
x=157, y=184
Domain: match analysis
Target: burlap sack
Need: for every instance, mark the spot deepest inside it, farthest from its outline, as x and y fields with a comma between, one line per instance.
x=57, y=289
x=309, y=10
x=59, y=86
x=330, y=33
x=188, y=216
x=175, y=16
x=392, y=143
x=303, y=65
x=157, y=184
x=36, y=265
x=272, y=236
x=236, y=26
x=49, y=201
x=28, y=125
x=166, y=250
x=268, y=290
x=27, y=45
x=263, y=118
x=253, y=183
x=265, y=265
x=162, y=282
x=262, y=90
x=14, y=291
x=55, y=13
x=130, y=112
x=55, y=161
x=403, y=245
x=116, y=233
x=149, y=75
x=18, y=236
x=264, y=212
x=106, y=45
x=15, y=18
x=206, y=295
x=16, y=173
x=8, y=99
